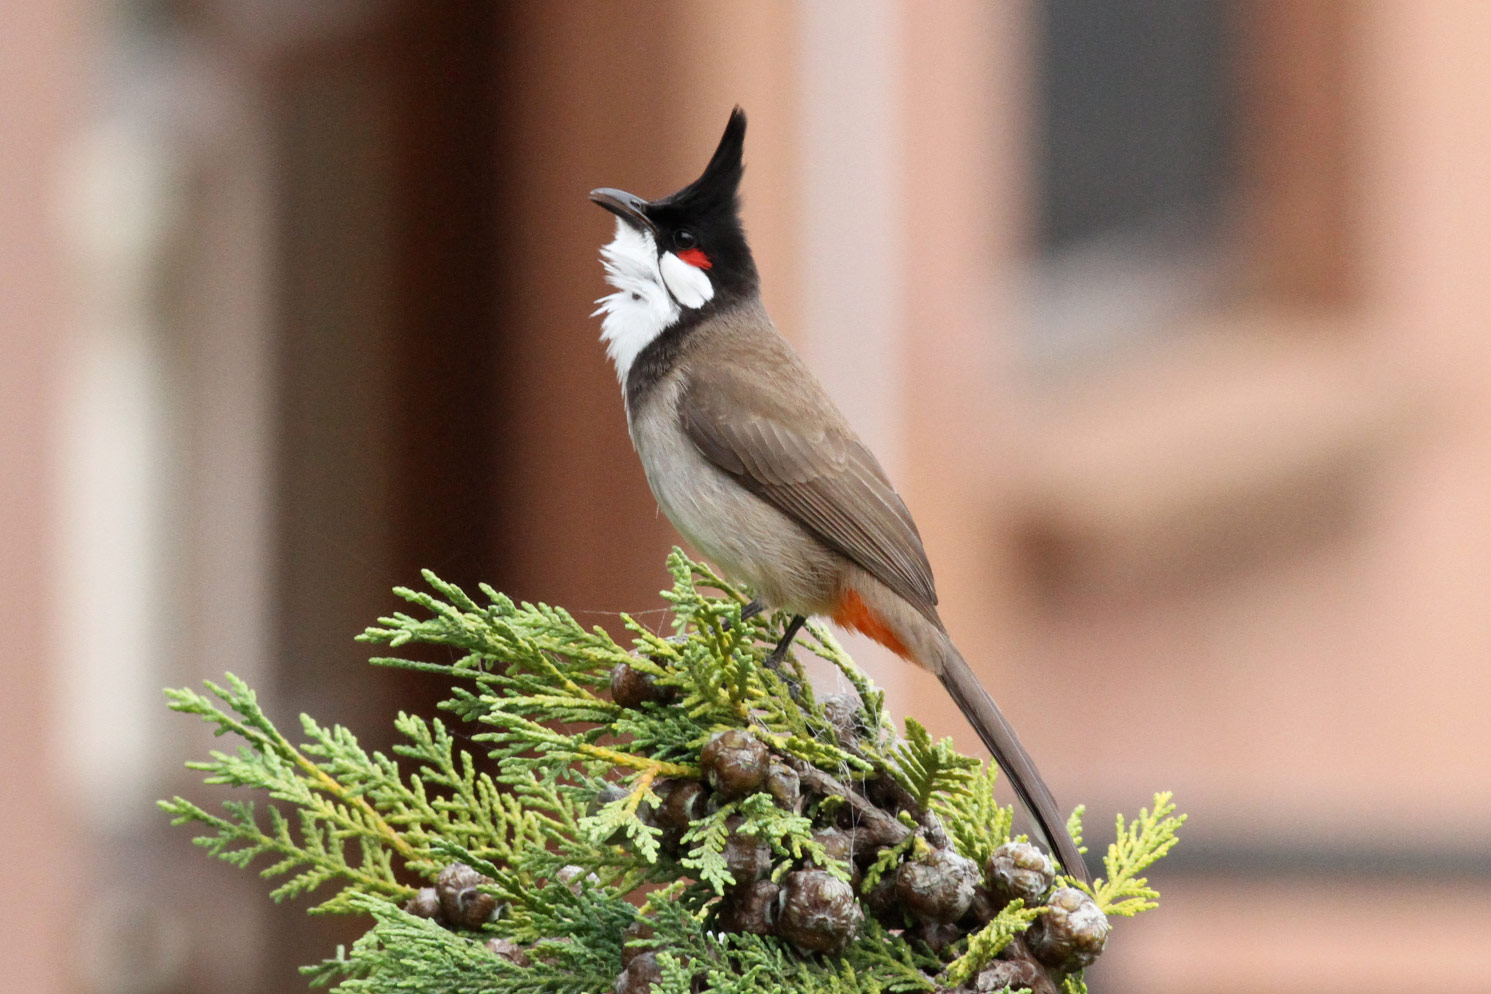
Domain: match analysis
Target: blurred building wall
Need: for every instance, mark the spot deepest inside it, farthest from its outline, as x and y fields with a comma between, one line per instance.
x=42, y=49
x=1265, y=530
x=1237, y=550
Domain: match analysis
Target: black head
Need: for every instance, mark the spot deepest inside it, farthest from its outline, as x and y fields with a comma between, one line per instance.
x=700, y=223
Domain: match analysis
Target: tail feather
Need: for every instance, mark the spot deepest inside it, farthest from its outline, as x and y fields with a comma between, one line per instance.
x=1000, y=738
x=889, y=619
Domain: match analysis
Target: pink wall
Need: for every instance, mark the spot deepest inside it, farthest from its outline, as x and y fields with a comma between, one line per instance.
x=42, y=48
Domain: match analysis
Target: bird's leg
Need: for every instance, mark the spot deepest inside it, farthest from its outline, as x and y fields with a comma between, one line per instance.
x=748, y=612
x=774, y=660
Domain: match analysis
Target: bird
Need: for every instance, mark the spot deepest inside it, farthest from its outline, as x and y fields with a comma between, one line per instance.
x=754, y=464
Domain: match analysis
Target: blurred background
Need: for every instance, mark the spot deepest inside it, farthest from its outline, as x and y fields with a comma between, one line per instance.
x=1170, y=318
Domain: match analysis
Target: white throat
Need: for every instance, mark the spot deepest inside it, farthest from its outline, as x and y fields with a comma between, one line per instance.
x=651, y=292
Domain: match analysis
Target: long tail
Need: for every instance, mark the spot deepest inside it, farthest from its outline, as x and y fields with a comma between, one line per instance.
x=919, y=637
x=1000, y=738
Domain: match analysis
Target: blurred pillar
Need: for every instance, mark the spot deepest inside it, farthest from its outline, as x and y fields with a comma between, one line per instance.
x=42, y=47
x=382, y=356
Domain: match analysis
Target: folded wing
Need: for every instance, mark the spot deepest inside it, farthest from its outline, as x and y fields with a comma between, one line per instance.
x=780, y=448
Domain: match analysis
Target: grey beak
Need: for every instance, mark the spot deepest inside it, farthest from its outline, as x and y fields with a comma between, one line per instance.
x=629, y=207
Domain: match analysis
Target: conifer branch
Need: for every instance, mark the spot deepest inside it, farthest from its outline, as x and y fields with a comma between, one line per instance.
x=1138, y=846
x=788, y=842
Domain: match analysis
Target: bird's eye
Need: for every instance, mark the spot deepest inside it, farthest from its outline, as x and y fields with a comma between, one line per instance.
x=683, y=238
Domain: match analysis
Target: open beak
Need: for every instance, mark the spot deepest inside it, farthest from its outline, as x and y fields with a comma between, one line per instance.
x=629, y=207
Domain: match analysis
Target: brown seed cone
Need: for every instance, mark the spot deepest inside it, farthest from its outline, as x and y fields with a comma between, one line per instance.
x=751, y=908
x=748, y=857
x=608, y=794
x=981, y=910
x=640, y=974
x=1071, y=934
x=683, y=802
x=937, y=935
x=631, y=688
x=840, y=845
x=464, y=904
x=818, y=912
x=783, y=785
x=653, y=816
x=508, y=950
x=1018, y=870
x=671, y=843
x=639, y=929
x=426, y=904
x=933, y=831
x=1033, y=973
x=884, y=906
x=938, y=887
x=1000, y=974
x=735, y=763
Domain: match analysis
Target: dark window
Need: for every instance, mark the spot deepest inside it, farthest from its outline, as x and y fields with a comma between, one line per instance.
x=1134, y=119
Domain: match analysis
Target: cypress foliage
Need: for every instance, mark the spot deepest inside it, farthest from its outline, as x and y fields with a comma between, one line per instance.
x=670, y=817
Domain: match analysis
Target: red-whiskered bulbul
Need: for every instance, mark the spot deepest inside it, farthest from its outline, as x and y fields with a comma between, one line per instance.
x=753, y=463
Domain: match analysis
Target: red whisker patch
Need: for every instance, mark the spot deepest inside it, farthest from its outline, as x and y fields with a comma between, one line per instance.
x=696, y=257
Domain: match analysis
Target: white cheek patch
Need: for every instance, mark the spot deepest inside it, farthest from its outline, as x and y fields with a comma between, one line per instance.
x=689, y=284
x=641, y=308
x=651, y=292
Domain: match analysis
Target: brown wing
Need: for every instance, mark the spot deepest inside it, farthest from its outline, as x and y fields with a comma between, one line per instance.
x=782, y=447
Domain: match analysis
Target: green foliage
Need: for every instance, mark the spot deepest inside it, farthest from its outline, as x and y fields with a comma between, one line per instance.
x=329, y=812
x=1138, y=846
x=989, y=942
x=975, y=820
x=403, y=953
x=927, y=769
x=752, y=964
x=446, y=960
x=559, y=805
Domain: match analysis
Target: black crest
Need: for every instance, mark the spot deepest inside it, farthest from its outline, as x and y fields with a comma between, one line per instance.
x=708, y=211
x=716, y=192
